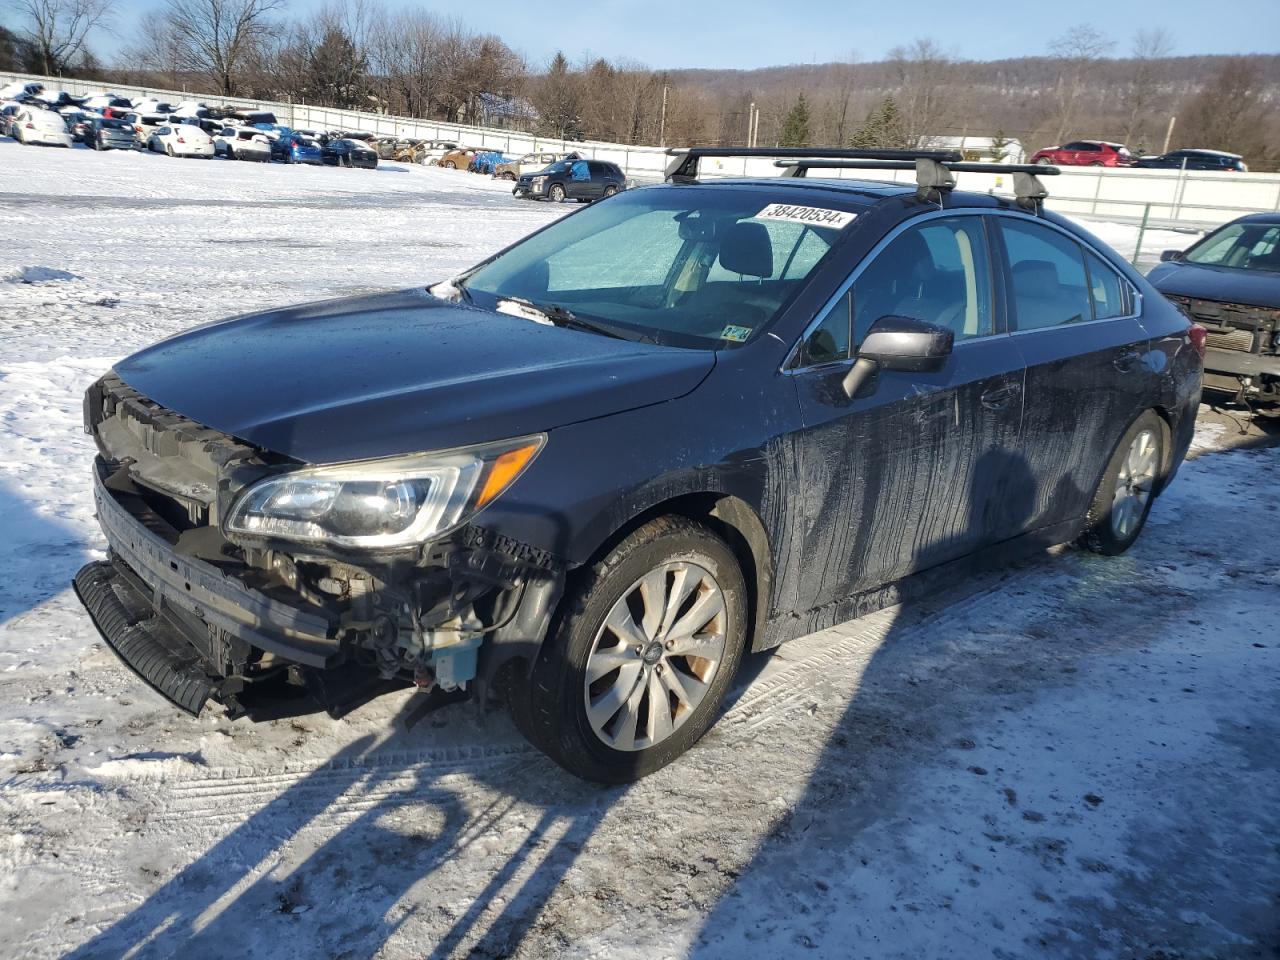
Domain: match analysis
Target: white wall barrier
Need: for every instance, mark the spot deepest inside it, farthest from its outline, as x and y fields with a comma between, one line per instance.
x=1194, y=198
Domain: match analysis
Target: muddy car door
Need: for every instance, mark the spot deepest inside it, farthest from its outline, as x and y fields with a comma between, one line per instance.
x=919, y=467
x=1090, y=369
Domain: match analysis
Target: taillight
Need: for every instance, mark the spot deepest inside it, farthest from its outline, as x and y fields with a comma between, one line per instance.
x=293, y=143
x=30, y=126
x=1198, y=335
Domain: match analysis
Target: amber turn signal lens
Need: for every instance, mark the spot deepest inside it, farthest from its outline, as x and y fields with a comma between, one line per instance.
x=505, y=469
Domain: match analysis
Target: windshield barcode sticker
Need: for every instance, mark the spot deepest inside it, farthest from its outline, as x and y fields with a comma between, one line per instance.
x=810, y=216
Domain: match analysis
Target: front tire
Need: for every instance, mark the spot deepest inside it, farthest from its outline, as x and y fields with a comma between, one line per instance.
x=1045, y=162
x=1127, y=489
x=641, y=655
x=556, y=194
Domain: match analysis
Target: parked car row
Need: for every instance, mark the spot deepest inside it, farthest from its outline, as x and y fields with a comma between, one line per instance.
x=33, y=115
x=1102, y=153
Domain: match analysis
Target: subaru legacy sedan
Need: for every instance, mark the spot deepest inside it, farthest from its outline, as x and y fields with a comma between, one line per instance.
x=692, y=421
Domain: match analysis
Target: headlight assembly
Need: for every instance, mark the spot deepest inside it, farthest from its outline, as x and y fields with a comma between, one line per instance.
x=381, y=504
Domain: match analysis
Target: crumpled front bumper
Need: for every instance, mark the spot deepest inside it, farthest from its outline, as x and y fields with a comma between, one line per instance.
x=175, y=619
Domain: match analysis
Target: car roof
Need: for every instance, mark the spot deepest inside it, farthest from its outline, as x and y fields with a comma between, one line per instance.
x=1210, y=153
x=864, y=192
x=1268, y=217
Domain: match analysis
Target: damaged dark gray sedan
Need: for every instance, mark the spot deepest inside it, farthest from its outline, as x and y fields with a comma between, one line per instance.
x=688, y=422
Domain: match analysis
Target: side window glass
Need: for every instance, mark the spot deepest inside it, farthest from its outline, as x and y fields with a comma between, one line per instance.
x=579, y=171
x=829, y=340
x=938, y=271
x=1105, y=286
x=1049, y=285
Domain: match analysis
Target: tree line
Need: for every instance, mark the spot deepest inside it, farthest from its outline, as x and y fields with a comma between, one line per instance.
x=409, y=61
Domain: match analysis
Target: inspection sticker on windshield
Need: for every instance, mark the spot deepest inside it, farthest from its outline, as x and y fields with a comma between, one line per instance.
x=810, y=216
x=735, y=333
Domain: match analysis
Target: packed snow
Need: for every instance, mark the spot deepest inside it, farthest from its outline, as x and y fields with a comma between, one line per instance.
x=1075, y=757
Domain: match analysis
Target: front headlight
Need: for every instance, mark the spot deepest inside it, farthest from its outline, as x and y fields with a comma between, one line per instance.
x=381, y=504
x=538, y=183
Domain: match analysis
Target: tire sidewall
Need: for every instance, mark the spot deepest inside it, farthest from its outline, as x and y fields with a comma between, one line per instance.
x=551, y=193
x=559, y=705
x=1099, y=536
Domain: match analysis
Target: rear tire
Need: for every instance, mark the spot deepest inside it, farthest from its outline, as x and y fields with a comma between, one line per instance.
x=1127, y=489
x=609, y=191
x=1045, y=162
x=677, y=597
x=168, y=150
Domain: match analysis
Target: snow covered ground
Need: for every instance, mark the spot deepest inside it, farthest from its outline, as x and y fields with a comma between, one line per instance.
x=1077, y=757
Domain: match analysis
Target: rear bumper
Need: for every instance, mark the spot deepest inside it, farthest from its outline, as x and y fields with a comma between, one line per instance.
x=204, y=593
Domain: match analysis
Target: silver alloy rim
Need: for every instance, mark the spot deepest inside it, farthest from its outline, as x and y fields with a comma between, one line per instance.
x=653, y=659
x=1133, y=484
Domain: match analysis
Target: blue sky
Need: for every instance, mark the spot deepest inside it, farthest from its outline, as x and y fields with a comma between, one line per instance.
x=722, y=33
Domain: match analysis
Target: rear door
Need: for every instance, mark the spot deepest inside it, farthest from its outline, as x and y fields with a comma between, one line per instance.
x=925, y=467
x=1089, y=369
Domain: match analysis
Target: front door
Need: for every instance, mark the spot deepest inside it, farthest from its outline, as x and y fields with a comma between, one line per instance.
x=922, y=467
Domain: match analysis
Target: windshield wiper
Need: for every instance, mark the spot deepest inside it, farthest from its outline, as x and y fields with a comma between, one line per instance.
x=564, y=317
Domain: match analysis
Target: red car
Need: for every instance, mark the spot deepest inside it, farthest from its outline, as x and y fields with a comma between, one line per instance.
x=1086, y=153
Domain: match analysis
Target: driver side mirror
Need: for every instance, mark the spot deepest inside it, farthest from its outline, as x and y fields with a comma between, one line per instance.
x=1167, y=255
x=899, y=343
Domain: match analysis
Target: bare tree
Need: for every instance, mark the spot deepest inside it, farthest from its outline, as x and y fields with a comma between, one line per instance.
x=1228, y=111
x=218, y=37
x=1076, y=51
x=57, y=29
x=921, y=70
x=1149, y=48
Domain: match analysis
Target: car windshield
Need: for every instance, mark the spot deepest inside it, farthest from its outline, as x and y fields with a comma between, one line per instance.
x=1240, y=246
x=694, y=267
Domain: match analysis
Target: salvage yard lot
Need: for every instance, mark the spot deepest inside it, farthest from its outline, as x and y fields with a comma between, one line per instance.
x=1076, y=757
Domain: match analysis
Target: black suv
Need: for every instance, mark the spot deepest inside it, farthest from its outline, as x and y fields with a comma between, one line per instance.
x=1194, y=160
x=572, y=179
x=606, y=463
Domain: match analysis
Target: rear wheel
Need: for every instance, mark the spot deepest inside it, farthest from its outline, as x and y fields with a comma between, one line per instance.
x=1045, y=162
x=1127, y=489
x=637, y=666
x=609, y=191
x=168, y=150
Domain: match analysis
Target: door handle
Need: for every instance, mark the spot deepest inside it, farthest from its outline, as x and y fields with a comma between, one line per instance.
x=998, y=397
x=1126, y=360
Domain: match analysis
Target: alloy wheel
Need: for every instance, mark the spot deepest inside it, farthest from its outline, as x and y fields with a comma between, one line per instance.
x=654, y=657
x=1134, y=483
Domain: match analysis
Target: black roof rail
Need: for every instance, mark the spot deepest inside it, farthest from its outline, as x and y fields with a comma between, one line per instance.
x=683, y=167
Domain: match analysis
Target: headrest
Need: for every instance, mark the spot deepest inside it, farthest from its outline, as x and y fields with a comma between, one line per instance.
x=1035, y=278
x=747, y=249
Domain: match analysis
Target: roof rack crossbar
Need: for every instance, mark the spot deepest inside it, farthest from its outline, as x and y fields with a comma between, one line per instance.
x=933, y=176
x=683, y=167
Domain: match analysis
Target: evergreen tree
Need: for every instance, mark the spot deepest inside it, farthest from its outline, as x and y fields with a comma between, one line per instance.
x=559, y=100
x=882, y=129
x=795, y=127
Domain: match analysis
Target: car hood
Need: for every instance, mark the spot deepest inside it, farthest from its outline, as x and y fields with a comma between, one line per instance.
x=1256, y=288
x=398, y=373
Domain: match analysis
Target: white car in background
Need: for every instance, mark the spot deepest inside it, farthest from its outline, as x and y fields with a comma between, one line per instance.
x=21, y=88
x=145, y=105
x=32, y=125
x=243, y=143
x=433, y=151
x=181, y=140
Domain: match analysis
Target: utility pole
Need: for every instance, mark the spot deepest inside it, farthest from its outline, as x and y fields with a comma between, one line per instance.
x=755, y=129
x=751, y=120
x=1168, y=134
x=662, y=123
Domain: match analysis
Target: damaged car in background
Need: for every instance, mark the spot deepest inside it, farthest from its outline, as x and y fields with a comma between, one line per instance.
x=1229, y=283
x=594, y=480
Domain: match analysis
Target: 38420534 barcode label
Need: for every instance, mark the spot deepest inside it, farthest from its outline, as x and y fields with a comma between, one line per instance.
x=810, y=216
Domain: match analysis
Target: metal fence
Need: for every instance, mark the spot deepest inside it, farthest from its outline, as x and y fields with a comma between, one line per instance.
x=1166, y=197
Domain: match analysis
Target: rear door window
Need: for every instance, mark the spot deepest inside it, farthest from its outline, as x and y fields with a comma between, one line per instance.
x=1046, y=268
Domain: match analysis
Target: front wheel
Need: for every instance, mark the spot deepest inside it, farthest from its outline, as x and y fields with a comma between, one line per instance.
x=1045, y=162
x=1127, y=488
x=556, y=194
x=639, y=660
